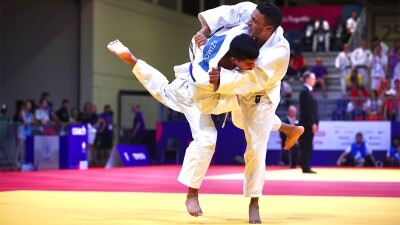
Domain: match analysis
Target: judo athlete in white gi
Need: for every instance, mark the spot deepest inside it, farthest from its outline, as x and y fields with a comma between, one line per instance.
x=259, y=89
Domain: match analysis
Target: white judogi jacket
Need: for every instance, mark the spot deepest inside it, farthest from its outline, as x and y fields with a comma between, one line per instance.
x=271, y=65
x=360, y=57
x=205, y=58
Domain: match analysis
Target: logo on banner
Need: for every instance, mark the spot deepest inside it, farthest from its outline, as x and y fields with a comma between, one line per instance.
x=78, y=131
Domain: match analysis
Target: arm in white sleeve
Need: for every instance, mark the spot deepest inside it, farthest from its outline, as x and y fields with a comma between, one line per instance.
x=337, y=61
x=250, y=81
x=368, y=149
x=227, y=15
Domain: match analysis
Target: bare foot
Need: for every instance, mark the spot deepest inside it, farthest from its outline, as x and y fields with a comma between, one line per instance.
x=293, y=134
x=254, y=213
x=192, y=203
x=120, y=50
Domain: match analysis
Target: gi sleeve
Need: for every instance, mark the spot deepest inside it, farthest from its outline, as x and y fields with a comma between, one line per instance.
x=228, y=15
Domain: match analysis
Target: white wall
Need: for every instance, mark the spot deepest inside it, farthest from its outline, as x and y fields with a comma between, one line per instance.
x=155, y=34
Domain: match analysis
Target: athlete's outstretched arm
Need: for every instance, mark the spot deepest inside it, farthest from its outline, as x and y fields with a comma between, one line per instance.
x=122, y=52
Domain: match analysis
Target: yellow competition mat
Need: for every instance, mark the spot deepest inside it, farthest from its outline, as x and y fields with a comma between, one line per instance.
x=115, y=208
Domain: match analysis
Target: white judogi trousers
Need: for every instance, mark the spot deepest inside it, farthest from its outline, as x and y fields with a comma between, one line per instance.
x=178, y=96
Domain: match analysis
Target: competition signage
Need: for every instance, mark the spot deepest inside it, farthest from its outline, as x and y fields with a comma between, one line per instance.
x=133, y=155
x=335, y=135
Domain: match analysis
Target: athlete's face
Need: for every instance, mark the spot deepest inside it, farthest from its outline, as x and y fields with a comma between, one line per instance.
x=247, y=64
x=258, y=27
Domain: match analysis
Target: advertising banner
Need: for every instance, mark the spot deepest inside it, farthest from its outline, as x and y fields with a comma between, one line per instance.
x=134, y=155
x=336, y=135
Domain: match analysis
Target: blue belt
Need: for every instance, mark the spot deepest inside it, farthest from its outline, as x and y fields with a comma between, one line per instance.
x=191, y=72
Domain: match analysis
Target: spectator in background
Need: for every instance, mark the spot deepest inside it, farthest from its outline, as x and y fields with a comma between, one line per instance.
x=62, y=113
x=351, y=24
x=297, y=66
x=286, y=93
x=343, y=63
x=390, y=108
x=360, y=60
x=382, y=88
x=396, y=88
x=375, y=41
x=42, y=113
x=138, y=128
x=355, y=108
x=378, y=62
x=321, y=74
x=353, y=80
x=321, y=34
x=373, y=106
x=357, y=154
x=394, y=58
x=90, y=119
x=290, y=157
x=26, y=119
x=338, y=34
x=396, y=70
x=53, y=117
x=308, y=34
x=393, y=154
x=107, y=134
x=4, y=117
x=74, y=116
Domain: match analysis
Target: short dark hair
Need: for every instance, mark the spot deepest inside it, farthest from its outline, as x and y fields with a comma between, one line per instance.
x=272, y=14
x=359, y=134
x=243, y=47
x=65, y=101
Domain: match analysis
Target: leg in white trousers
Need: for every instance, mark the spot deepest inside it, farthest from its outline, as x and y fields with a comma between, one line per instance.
x=258, y=122
x=178, y=96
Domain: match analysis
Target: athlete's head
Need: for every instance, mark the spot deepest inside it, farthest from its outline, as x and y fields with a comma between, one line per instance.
x=265, y=19
x=243, y=52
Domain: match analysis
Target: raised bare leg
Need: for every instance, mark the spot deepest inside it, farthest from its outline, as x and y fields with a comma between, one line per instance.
x=192, y=202
x=293, y=134
x=254, y=213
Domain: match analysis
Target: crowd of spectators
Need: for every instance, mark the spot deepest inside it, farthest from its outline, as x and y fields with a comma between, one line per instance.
x=41, y=118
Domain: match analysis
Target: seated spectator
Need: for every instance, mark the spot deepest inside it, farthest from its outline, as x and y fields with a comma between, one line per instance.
x=382, y=88
x=393, y=154
x=62, y=113
x=357, y=154
x=396, y=88
x=353, y=77
x=355, y=108
x=297, y=66
x=394, y=58
x=396, y=69
x=373, y=107
x=321, y=74
x=378, y=62
x=390, y=108
x=321, y=34
x=338, y=34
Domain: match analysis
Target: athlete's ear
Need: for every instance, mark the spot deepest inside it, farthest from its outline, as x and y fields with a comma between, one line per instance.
x=234, y=60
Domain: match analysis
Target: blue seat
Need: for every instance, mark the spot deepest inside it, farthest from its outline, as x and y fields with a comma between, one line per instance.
x=342, y=103
x=339, y=114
